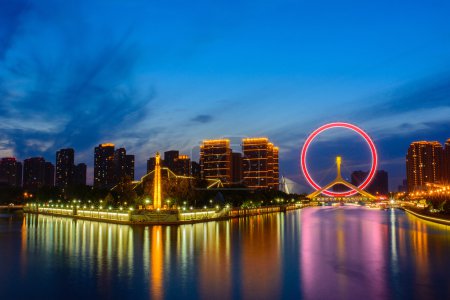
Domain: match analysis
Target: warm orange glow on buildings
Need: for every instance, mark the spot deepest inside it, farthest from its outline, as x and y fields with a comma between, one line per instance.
x=260, y=163
x=215, y=160
x=423, y=164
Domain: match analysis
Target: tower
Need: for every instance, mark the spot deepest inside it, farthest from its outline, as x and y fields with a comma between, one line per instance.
x=157, y=183
x=340, y=180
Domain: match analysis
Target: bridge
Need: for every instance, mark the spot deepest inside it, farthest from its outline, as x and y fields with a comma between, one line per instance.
x=9, y=208
x=340, y=180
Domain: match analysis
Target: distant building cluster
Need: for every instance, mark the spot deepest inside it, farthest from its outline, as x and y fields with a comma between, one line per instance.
x=378, y=186
x=255, y=167
x=427, y=162
x=111, y=166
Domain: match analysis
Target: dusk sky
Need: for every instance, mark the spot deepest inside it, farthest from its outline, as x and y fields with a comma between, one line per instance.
x=159, y=75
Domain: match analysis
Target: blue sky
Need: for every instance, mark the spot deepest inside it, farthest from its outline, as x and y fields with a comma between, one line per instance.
x=157, y=75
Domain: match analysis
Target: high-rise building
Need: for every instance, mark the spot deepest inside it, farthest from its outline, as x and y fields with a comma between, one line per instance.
x=260, y=163
x=151, y=163
x=129, y=166
x=170, y=158
x=276, y=168
x=195, y=169
x=446, y=161
x=182, y=165
x=64, y=167
x=215, y=160
x=80, y=174
x=34, y=172
x=104, y=172
x=379, y=184
x=423, y=164
x=49, y=174
x=11, y=171
x=123, y=165
x=236, y=167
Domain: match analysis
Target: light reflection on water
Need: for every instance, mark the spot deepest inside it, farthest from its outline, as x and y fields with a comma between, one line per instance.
x=315, y=253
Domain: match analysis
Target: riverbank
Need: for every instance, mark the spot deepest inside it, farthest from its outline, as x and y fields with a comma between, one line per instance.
x=427, y=218
x=163, y=217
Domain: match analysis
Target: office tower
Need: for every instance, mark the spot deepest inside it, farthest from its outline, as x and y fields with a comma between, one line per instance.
x=129, y=166
x=446, y=161
x=123, y=165
x=19, y=172
x=215, y=160
x=379, y=184
x=80, y=174
x=182, y=165
x=423, y=164
x=120, y=157
x=236, y=167
x=33, y=172
x=104, y=166
x=10, y=171
x=169, y=159
x=260, y=163
x=151, y=163
x=49, y=174
x=195, y=169
x=64, y=167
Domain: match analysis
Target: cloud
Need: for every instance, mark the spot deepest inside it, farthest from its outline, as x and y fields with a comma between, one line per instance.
x=12, y=13
x=202, y=119
x=78, y=89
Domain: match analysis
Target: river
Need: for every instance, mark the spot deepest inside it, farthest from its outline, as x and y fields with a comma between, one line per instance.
x=314, y=253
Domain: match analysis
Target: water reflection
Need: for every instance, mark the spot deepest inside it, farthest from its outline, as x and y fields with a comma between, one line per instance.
x=316, y=253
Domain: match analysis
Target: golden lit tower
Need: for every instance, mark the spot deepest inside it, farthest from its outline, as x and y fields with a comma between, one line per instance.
x=215, y=160
x=157, y=183
x=423, y=164
x=260, y=163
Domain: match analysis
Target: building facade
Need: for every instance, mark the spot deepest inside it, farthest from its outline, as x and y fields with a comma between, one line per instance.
x=260, y=163
x=49, y=174
x=170, y=158
x=80, y=174
x=10, y=171
x=182, y=165
x=446, y=163
x=104, y=171
x=64, y=167
x=195, y=169
x=379, y=184
x=215, y=160
x=236, y=167
x=33, y=172
x=424, y=162
x=123, y=165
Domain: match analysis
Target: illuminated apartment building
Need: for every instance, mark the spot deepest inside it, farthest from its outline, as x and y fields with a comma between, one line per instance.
x=182, y=165
x=104, y=166
x=260, y=163
x=423, y=164
x=215, y=160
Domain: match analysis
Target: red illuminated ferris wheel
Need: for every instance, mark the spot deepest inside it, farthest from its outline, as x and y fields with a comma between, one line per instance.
x=339, y=180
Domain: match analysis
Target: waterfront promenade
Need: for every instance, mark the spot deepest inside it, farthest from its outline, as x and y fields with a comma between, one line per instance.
x=158, y=217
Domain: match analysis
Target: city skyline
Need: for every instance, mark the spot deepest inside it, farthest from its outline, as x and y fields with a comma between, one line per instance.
x=89, y=178
x=151, y=90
